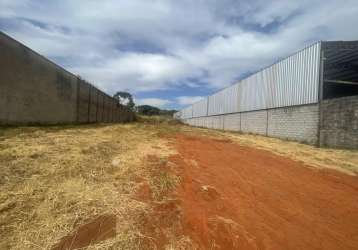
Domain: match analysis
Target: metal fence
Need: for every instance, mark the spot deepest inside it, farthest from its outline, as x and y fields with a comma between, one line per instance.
x=200, y=108
x=289, y=82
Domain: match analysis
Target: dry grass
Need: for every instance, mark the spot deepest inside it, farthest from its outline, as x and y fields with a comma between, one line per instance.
x=338, y=159
x=163, y=182
x=54, y=179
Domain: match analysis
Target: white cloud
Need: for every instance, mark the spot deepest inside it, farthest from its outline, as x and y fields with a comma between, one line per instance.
x=156, y=102
x=143, y=45
x=187, y=100
x=138, y=71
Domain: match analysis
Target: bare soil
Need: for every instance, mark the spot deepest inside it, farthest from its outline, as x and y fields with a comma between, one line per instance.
x=161, y=185
x=239, y=197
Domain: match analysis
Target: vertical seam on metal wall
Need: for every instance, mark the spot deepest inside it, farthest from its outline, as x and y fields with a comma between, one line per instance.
x=207, y=107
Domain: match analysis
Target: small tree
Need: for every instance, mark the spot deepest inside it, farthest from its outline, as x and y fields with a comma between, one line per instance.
x=125, y=99
x=148, y=110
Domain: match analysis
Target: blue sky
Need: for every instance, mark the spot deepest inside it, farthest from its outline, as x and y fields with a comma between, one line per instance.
x=172, y=53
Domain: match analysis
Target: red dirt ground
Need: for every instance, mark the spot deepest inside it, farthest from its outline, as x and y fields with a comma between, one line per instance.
x=235, y=197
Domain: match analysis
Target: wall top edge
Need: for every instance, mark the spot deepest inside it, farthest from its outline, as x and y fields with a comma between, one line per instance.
x=317, y=43
x=59, y=67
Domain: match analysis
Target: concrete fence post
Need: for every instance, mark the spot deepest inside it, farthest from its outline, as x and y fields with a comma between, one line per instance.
x=97, y=102
x=78, y=100
x=89, y=103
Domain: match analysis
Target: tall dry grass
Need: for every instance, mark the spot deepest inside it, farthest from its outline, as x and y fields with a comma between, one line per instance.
x=54, y=179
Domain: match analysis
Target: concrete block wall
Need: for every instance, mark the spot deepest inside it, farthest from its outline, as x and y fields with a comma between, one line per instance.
x=298, y=123
x=332, y=123
x=217, y=122
x=232, y=122
x=33, y=90
x=254, y=122
x=195, y=122
x=339, y=122
x=206, y=122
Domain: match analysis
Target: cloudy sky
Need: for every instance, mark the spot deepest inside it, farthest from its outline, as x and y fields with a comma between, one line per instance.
x=170, y=53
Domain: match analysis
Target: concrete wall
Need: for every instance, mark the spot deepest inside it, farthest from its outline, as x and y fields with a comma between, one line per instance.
x=33, y=90
x=232, y=122
x=333, y=123
x=339, y=122
x=83, y=100
x=217, y=122
x=298, y=123
x=254, y=122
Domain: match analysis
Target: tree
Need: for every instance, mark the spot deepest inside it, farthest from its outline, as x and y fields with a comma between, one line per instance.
x=148, y=110
x=125, y=99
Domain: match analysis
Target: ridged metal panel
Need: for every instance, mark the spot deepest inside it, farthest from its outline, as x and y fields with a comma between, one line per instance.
x=296, y=79
x=216, y=104
x=225, y=101
x=254, y=93
x=200, y=108
x=231, y=99
x=187, y=113
x=292, y=81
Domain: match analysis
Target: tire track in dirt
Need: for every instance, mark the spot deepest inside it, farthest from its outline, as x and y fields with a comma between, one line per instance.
x=235, y=197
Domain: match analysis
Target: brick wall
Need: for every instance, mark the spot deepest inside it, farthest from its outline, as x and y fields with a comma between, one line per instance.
x=298, y=123
x=335, y=121
x=217, y=122
x=232, y=122
x=254, y=122
x=339, y=122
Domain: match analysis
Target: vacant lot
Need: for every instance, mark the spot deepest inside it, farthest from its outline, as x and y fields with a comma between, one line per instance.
x=161, y=185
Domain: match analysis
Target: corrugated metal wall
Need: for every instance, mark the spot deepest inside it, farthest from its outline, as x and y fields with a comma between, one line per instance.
x=187, y=113
x=292, y=81
x=200, y=108
x=224, y=101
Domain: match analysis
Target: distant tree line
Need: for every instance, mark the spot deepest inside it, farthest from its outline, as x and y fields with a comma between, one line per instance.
x=150, y=111
x=126, y=99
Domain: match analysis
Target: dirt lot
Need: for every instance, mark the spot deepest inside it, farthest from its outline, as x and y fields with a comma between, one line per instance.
x=235, y=197
x=157, y=185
